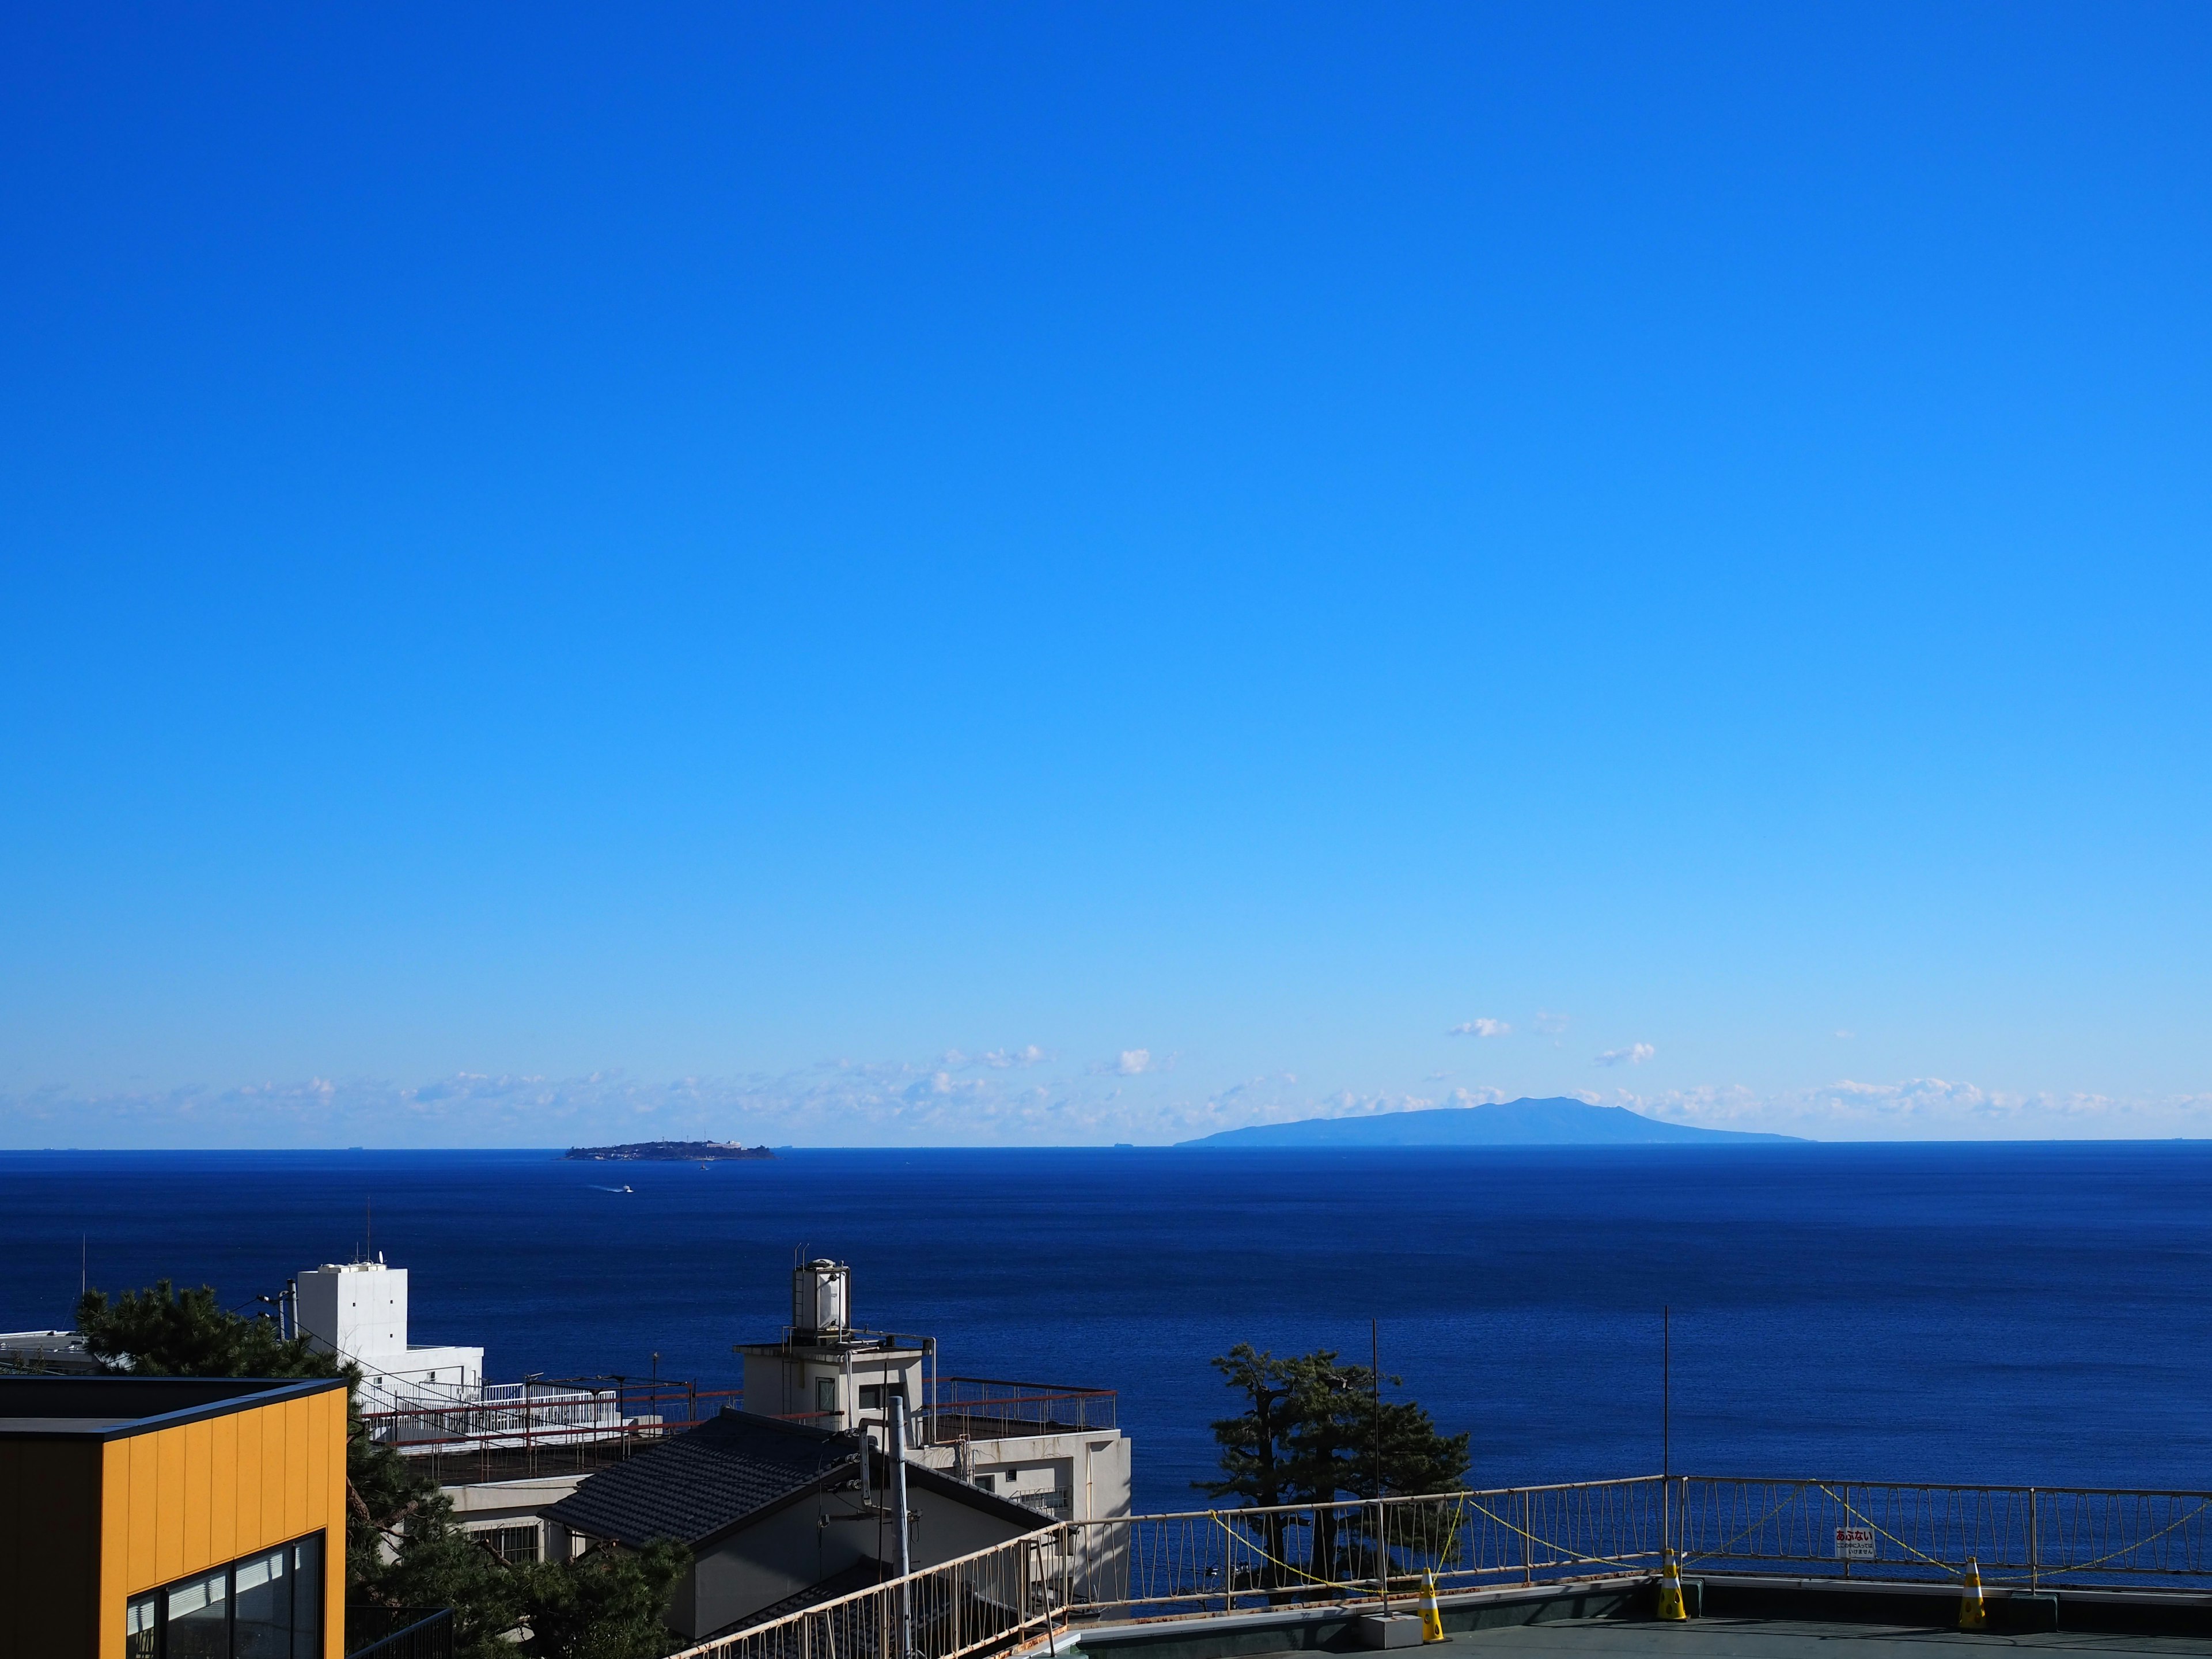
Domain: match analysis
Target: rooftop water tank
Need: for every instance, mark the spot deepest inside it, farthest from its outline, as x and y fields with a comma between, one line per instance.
x=821, y=1300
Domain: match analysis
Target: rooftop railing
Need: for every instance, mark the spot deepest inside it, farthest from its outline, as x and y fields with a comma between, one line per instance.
x=994, y=1409
x=1218, y=1563
x=515, y=1431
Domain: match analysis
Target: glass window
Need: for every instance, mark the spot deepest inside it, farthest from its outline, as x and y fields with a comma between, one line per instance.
x=825, y=1394
x=199, y=1619
x=261, y=1593
x=259, y=1606
x=308, y=1598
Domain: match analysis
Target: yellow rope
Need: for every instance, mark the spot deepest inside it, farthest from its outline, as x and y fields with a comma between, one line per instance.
x=2083, y=1566
x=1722, y=1549
x=1565, y=1555
x=1236, y=1537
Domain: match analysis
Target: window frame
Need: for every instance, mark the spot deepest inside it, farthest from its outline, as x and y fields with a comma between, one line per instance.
x=157, y=1597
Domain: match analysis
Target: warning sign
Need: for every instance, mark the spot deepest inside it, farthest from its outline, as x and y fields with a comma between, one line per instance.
x=1854, y=1543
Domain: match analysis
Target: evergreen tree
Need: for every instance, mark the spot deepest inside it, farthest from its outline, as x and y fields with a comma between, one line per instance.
x=1309, y=1435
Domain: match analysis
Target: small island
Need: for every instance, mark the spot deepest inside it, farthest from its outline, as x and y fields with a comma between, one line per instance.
x=668, y=1151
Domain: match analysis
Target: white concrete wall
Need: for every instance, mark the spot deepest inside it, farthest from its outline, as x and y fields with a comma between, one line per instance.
x=1089, y=1466
x=359, y=1309
x=356, y=1308
x=790, y=1382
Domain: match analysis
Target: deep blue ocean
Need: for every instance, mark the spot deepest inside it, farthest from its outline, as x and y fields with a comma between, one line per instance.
x=2020, y=1313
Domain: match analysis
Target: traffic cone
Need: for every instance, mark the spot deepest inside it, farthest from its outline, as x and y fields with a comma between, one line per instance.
x=1670, y=1588
x=1433, y=1621
x=1973, y=1615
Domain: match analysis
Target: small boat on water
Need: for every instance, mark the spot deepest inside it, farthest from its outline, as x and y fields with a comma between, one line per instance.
x=614, y=1189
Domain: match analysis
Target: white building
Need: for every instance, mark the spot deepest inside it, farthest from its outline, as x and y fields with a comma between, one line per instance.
x=1053, y=1447
x=359, y=1309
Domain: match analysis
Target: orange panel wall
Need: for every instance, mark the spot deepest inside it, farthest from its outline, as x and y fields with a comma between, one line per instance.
x=177, y=1501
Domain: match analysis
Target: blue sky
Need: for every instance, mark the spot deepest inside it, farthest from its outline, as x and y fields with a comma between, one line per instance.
x=1069, y=575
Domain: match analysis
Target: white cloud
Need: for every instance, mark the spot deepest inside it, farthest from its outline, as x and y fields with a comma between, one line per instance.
x=849, y=1102
x=998, y=1060
x=1551, y=1024
x=1484, y=1096
x=1931, y=1109
x=1635, y=1055
x=1481, y=1028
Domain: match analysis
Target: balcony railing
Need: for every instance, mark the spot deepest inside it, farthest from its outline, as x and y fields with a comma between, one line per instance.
x=992, y=1408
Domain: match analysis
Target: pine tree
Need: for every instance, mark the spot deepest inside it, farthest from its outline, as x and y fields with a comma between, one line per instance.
x=1309, y=1435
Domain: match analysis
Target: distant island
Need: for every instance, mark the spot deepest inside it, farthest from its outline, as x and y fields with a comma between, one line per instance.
x=668, y=1151
x=1560, y=1121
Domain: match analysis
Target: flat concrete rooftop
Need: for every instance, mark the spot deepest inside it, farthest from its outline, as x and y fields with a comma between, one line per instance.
x=1778, y=1638
x=1736, y=1617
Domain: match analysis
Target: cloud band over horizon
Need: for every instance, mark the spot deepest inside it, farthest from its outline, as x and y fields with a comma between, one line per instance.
x=1016, y=1097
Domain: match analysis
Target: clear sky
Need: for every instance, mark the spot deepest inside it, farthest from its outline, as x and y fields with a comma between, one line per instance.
x=1068, y=574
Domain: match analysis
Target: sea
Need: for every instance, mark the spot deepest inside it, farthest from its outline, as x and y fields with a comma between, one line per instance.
x=2017, y=1312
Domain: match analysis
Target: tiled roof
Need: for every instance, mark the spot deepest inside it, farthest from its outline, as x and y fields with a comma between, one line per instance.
x=697, y=1483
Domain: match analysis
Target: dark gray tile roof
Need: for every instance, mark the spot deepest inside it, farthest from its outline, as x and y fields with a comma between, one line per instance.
x=703, y=1481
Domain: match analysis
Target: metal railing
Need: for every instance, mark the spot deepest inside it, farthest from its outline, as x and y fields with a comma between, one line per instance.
x=991, y=1408
x=1241, y=1559
x=1221, y=1562
x=541, y=1428
x=997, y=1598
x=399, y=1633
x=2032, y=1536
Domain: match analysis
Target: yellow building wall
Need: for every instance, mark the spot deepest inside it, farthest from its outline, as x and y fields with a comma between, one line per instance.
x=178, y=1501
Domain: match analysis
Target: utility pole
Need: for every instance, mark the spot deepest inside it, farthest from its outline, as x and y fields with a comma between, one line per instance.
x=1382, y=1542
x=900, y=1555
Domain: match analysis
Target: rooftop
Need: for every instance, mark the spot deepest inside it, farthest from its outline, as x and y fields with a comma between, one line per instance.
x=111, y=1407
x=697, y=1485
x=1780, y=1639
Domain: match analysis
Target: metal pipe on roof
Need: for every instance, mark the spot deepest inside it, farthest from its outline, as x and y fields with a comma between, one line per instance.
x=900, y=1553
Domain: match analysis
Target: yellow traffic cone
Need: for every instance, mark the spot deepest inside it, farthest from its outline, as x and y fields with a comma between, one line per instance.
x=1670, y=1588
x=1973, y=1615
x=1433, y=1621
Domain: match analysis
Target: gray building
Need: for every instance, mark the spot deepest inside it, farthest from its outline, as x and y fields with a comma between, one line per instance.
x=778, y=1516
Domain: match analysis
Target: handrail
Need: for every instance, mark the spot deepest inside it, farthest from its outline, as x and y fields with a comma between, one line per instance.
x=1053, y=1389
x=1348, y=1552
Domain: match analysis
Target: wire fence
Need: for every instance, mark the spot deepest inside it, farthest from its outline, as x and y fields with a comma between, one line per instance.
x=1216, y=1562
x=2028, y=1535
